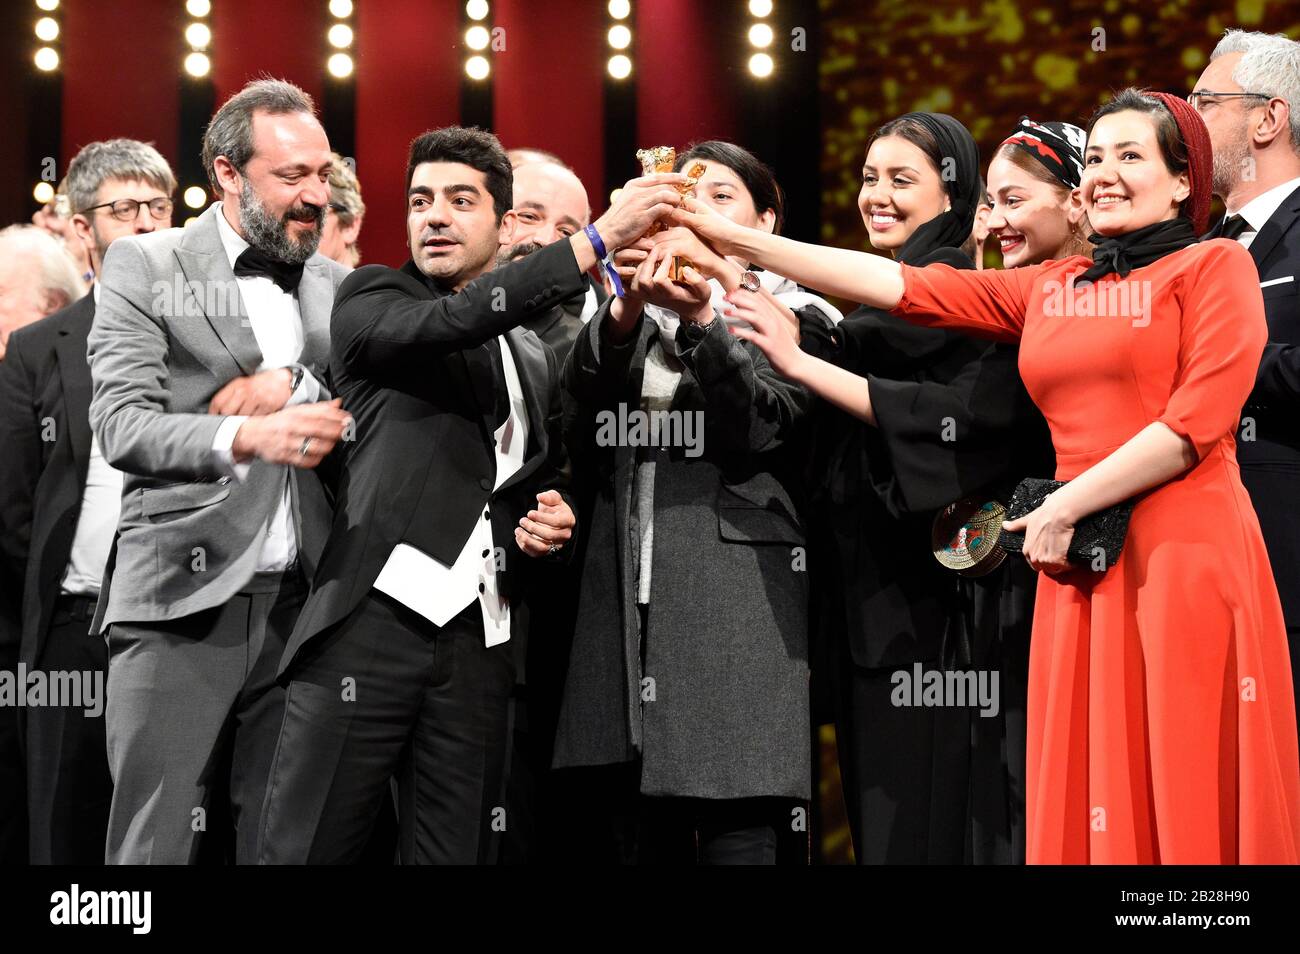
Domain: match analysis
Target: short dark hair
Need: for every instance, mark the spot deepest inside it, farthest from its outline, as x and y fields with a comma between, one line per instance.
x=754, y=174
x=472, y=147
x=230, y=133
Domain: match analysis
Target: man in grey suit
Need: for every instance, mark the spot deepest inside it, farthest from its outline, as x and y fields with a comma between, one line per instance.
x=208, y=357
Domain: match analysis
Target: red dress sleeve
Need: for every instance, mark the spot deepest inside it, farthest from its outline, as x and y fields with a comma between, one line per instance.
x=1222, y=334
x=990, y=303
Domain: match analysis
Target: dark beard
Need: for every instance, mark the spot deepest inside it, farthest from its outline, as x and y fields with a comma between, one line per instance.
x=516, y=252
x=271, y=235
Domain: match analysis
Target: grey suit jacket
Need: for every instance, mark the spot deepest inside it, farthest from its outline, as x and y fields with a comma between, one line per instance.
x=170, y=331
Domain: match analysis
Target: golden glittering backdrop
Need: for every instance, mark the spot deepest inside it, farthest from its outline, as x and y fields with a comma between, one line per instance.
x=988, y=63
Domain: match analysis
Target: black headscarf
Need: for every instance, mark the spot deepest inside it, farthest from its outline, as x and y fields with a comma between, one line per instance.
x=1121, y=254
x=952, y=227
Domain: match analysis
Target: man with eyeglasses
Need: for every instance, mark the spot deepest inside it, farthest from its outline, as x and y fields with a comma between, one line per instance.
x=59, y=509
x=1249, y=97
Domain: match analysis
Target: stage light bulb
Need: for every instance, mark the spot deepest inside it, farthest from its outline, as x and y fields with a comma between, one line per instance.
x=339, y=65
x=620, y=67
x=340, y=35
x=47, y=5
x=341, y=8
x=43, y=193
x=47, y=29
x=619, y=9
x=198, y=8
x=195, y=196
x=198, y=35
x=760, y=8
x=476, y=9
x=47, y=59
x=760, y=64
x=760, y=34
x=620, y=37
x=198, y=64
x=477, y=67
x=477, y=38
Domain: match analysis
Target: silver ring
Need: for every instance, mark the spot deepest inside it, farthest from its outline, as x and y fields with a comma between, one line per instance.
x=553, y=549
x=306, y=446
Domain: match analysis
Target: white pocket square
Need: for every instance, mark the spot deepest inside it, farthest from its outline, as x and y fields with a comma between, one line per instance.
x=1277, y=281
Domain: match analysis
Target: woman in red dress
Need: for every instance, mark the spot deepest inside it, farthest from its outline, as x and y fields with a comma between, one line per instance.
x=1161, y=715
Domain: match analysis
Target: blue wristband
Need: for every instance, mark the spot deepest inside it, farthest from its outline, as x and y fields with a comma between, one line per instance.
x=603, y=259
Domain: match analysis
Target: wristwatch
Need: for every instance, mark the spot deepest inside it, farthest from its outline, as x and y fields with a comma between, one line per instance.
x=297, y=372
x=749, y=281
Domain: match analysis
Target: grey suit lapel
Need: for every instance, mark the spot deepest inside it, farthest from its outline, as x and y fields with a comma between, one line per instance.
x=210, y=283
x=315, y=302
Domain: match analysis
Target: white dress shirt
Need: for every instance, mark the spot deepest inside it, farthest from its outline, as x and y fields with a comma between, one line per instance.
x=101, y=505
x=437, y=591
x=1261, y=208
x=276, y=321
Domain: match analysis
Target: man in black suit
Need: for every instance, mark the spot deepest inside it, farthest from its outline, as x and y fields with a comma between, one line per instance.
x=1249, y=97
x=60, y=508
x=406, y=652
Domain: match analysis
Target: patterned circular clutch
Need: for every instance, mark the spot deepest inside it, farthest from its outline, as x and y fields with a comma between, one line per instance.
x=964, y=536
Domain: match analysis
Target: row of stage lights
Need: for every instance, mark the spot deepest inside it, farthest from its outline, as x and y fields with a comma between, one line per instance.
x=198, y=35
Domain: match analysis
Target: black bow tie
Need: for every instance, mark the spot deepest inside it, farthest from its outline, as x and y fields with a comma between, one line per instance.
x=253, y=262
x=1231, y=227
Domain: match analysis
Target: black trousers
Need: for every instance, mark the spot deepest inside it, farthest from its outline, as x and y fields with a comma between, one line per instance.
x=69, y=788
x=13, y=787
x=387, y=693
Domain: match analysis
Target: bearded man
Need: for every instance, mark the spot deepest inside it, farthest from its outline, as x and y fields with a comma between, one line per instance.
x=208, y=357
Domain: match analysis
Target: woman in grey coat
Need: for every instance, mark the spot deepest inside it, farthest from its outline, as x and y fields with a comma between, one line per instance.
x=689, y=660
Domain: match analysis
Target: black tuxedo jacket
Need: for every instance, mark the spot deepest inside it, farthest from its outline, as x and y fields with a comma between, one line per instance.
x=407, y=360
x=44, y=455
x=1268, y=441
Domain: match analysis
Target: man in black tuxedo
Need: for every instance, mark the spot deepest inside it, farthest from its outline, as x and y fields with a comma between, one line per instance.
x=406, y=652
x=60, y=507
x=1249, y=97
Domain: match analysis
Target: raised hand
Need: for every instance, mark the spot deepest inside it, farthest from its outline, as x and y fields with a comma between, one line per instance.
x=689, y=296
x=681, y=241
x=722, y=234
x=769, y=329
x=640, y=204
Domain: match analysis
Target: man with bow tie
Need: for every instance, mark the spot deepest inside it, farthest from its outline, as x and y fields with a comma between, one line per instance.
x=208, y=358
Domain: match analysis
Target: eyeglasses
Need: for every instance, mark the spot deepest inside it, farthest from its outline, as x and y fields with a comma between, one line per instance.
x=125, y=210
x=1201, y=96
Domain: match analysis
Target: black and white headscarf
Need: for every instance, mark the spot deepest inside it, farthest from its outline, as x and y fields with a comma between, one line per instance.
x=1058, y=146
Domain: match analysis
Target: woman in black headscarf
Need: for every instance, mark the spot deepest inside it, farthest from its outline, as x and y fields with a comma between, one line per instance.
x=948, y=420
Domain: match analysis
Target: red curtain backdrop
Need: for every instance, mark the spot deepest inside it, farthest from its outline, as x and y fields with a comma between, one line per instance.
x=409, y=66
x=121, y=73
x=685, y=83
x=252, y=38
x=547, y=88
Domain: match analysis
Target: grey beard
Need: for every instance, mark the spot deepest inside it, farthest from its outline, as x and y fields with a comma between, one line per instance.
x=1230, y=165
x=516, y=252
x=271, y=235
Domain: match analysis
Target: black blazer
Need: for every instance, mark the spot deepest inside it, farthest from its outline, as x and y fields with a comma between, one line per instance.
x=405, y=358
x=44, y=455
x=1268, y=441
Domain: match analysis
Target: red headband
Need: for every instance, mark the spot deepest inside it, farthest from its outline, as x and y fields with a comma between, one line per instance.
x=1200, y=158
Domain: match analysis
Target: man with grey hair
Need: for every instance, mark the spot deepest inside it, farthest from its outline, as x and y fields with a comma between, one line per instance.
x=37, y=278
x=208, y=358
x=61, y=503
x=1249, y=97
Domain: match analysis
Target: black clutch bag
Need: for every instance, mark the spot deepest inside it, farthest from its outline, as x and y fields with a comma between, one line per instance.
x=1098, y=538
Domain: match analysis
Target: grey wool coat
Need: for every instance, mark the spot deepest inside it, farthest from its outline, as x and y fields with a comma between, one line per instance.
x=720, y=707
